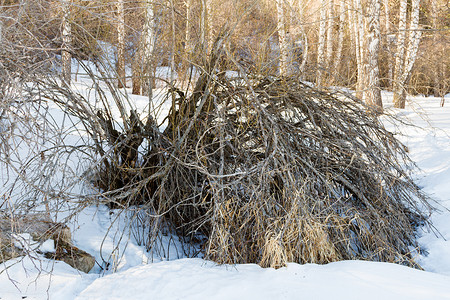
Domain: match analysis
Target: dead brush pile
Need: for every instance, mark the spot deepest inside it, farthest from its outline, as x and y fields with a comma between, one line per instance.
x=269, y=170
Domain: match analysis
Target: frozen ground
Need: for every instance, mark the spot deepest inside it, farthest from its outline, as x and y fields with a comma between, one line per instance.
x=138, y=276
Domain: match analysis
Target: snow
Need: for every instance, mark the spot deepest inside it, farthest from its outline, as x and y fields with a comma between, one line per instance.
x=198, y=279
x=135, y=273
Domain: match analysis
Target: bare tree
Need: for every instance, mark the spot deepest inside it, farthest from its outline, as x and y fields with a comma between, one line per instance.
x=406, y=56
x=188, y=38
x=372, y=93
x=173, y=38
x=330, y=27
x=121, y=44
x=341, y=34
x=1, y=29
x=321, y=46
x=148, y=45
x=300, y=12
x=358, y=32
x=400, y=53
x=209, y=23
x=283, y=40
x=66, y=56
x=203, y=28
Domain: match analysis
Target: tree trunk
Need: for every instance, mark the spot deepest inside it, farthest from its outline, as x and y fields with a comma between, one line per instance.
x=136, y=76
x=436, y=66
x=282, y=39
x=66, y=56
x=121, y=44
x=330, y=27
x=300, y=7
x=188, y=39
x=321, y=46
x=341, y=35
x=357, y=33
x=410, y=56
x=203, y=27
x=209, y=21
x=148, y=40
x=372, y=93
x=172, y=53
x=360, y=39
x=400, y=55
x=1, y=31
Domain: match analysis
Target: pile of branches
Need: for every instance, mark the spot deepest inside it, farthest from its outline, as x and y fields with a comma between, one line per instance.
x=268, y=170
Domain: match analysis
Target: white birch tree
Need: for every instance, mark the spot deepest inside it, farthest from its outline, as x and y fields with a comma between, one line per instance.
x=66, y=56
x=188, y=38
x=148, y=45
x=173, y=48
x=400, y=53
x=372, y=93
x=330, y=27
x=203, y=35
x=282, y=39
x=121, y=44
x=321, y=45
x=300, y=9
x=209, y=22
x=409, y=54
x=358, y=31
x=341, y=35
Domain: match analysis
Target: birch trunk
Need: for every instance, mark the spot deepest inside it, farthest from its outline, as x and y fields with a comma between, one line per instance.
x=209, y=22
x=388, y=40
x=410, y=55
x=321, y=46
x=172, y=53
x=188, y=45
x=400, y=55
x=66, y=56
x=304, y=37
x=387, y=26
x=356, y=22
x=360, y=39
x=372, y=93
x=296, y=17
x=203, y=26
x=121, y=44
x=149, y=37
x=436, y=66
x=282, y=39
x=330, y=27
x=341, y=35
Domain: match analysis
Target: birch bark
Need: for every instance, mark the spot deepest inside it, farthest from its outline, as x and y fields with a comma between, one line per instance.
x=203, y=26
x=372, y=93
x=173, y=49
x=282, y=39
x=121, y=44
x=400, y=54
x=410, y=54
x=301, y=6
x=148, y=40
x=188, y=38
x=360, y=48
x=66, y=55
x=330, y=26
x=341, y=35
x=321, y=46
x=209, y=21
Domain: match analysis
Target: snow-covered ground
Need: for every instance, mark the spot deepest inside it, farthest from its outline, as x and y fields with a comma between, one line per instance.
x=138, y=276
